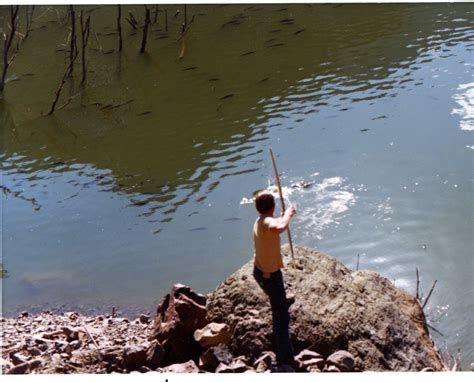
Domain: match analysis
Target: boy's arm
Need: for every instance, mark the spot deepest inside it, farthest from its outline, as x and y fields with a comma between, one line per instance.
x=280, y=224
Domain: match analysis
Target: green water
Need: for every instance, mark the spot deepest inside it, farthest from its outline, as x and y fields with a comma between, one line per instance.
x=140, y=181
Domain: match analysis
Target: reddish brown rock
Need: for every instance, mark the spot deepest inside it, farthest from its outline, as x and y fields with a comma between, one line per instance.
x=179, y=314
x=186, y=367
x=383, y=327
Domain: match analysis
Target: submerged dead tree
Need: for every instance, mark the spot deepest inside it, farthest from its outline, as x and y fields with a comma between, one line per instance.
x=29, y=19
x=119, y=25
x=155, y=19
x=85, y=32
x=7, y=44
x=145, y=29
x=132, y=21
x=73, y=44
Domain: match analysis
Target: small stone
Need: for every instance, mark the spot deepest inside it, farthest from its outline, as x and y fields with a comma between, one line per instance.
x=314, y=369
x=333, y=369
x=34, y=351
x=112, y=357
x=307, y=354
x=237, y=366
x=143, y=369
x=18, y=358
x=145, y=319
x=186, y=367
x=71, y=333
x=314, y=362
x=472, y=366
x=34, y=364
x=22, y=368
x=73, y=316
x=134, y=356
x=268, y=358
x=342, y=359
x=212, y=357
x=73, y=345
x=213, y=334
x=23, y=315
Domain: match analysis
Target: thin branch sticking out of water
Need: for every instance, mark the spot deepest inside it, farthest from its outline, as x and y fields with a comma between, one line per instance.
x=119, y=25
x=155, y=19
x=8, y=40
x=29, y=19
x=73, y=45
x=60, y=88
x=132, y=21
x=417, y=285
x=429, y=294
x=145, y=29
x=85, y=32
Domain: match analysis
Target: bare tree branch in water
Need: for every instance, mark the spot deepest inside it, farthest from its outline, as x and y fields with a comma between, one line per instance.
x=119, y=25
x=184, y=29
x=73, y=46
x=60, y=88
x=132, y=21
x=185, y=16
x=8, y=40
x=156, y=14
x=85, y=32
x=145, y=29
x=29, y=19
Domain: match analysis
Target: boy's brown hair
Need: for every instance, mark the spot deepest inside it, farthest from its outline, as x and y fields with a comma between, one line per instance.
x=264, y=201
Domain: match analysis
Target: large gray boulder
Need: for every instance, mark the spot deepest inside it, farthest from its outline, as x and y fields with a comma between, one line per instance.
x=383, y=327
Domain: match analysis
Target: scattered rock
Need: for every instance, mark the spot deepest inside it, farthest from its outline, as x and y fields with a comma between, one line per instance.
x=134, y=356
x=309, y=359
x=265, y=362
x=73, y=316
x=18, y=358
x=186, y=367
x=22, y=368
x=212, y=357
x=427, y=369
x=34, y=364
x=342, y=359
x=236, y=366
x=213, y=334
x=472, y=366
x=145, y=319
x=311, y=363
x=70, y=333
x=333, y=369
x=179, y=314
x=314, y=369
x=143, y=369
x=23, y=315
x=154, y=354
x=34, y=351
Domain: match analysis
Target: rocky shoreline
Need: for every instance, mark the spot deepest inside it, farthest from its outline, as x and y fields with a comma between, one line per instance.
x=342, y=321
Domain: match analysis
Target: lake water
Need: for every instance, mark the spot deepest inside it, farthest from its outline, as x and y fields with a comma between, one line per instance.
x=141, y=180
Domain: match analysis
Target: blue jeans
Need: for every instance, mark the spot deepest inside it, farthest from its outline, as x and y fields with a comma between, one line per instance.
x=275, y=289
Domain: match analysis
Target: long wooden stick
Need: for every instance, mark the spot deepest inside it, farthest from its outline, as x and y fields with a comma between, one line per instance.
x=277, y=177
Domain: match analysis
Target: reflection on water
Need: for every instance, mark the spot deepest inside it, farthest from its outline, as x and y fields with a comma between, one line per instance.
x=136, y=184
x=465, y=100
